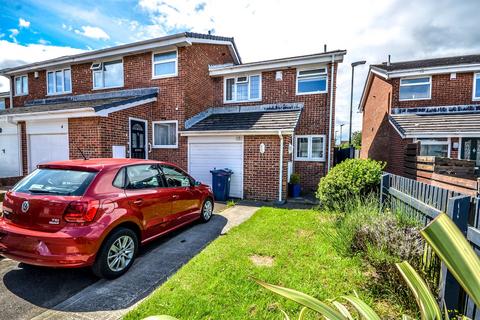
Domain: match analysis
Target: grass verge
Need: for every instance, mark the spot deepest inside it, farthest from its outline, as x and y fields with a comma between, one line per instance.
x=293, y=248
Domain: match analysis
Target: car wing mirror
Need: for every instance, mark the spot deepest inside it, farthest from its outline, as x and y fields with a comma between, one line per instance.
x=197, y=183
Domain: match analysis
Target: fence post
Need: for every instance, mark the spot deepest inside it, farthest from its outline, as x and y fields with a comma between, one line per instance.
x=450, y=291
x=384, y=186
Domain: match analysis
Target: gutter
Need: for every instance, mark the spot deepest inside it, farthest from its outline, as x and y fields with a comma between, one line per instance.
x=236, y=132
x=331, y=114
x=280, y=177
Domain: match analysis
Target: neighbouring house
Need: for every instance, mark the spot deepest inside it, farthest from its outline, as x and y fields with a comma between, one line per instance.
x=435, y=102
x=185, y=98
x=4, y=100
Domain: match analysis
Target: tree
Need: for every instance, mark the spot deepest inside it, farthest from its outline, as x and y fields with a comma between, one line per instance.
x=357, y=139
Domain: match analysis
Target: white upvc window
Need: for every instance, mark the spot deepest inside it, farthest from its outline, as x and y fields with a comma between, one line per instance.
x=21, y=85
x=164, y=64
x=438, y=147
x=418, y=88
x=310, y=148
x=107, y=74
x=2, y=103
x=311, y=81
x=59, y=81
x=243, y=88
x=165, y=134
x=476, y=86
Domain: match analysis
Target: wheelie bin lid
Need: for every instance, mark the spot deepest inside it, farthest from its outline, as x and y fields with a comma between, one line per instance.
x=222, y=172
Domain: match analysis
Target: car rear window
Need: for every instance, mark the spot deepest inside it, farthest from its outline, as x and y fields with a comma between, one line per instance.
x=56, y=181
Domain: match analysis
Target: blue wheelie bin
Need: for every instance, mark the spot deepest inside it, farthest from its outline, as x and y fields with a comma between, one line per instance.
x=221, y=183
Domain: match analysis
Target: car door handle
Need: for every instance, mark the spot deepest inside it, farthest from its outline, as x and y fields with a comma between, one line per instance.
x=175, y=196
x=138, y=202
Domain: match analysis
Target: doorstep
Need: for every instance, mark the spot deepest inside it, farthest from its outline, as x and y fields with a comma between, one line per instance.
x=307, y=199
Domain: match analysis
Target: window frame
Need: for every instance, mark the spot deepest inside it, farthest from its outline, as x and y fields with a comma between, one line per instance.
x=15, y=85
x=409, y=85
x=309, y=148
x=4, y=102
x=103, y=76
x=159, y=146
x=179, y=170
x=126, y=180
x=298, y=77
x=175, y=74
x=433, y=142
x=234, y=92
x=475, y=75
x=55, y=81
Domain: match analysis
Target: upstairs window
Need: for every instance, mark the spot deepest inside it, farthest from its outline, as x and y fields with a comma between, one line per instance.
x=2, y=104
x=476, y=86
x=312, y=81
x=21, y=85
x=107, y=74
x=310, y=148
x=165, y=64
x=244, y=88
x=59, y=81
x=415, y=88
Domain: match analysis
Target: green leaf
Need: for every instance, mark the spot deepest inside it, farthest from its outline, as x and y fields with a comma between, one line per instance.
x=429, y=308
x=343, y=310
x=406, y=317
x=304, y=300
x=286, y=317
x=302, y=313
x=364, y=310
x=162, y=317
x=454, y=250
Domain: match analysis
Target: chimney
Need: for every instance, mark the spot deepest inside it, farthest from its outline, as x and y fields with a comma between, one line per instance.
x=388, y=61
x=209, y=32
x=325, y=47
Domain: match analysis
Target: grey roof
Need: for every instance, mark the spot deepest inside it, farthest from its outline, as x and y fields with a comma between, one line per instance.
x=448, y=124
x=263, y=120
x=128, y=45
x=428, y=63
x=97, y=101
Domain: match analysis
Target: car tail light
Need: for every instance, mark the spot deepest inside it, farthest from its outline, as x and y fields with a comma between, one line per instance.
x=81, y=211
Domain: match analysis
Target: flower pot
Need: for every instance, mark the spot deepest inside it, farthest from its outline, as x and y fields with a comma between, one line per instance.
x=294, y=190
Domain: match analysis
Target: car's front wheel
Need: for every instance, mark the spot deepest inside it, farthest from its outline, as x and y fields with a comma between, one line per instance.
x=116, y=254
x=207, y=210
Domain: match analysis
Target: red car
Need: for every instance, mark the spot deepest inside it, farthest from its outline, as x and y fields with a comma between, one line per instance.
x=97, y=212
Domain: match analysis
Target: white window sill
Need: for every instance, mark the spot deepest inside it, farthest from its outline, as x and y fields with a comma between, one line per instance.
x=21, y=95
x=476, y=99
x=307, y=93
x=105, y=88
x=165, y=147
x=165, y=76
x=241, y=101
x=309, y=160
x=430, y=98
x=58, y=93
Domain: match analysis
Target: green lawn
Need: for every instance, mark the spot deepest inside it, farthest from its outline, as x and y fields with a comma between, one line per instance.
x=217, y=283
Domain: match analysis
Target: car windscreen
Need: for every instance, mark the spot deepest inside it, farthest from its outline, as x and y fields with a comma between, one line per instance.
x=56, y=182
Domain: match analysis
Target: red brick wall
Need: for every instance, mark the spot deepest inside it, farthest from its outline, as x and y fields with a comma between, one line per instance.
x=444, y=91
x=261, y=171
x=376, y=128
x=313, y=120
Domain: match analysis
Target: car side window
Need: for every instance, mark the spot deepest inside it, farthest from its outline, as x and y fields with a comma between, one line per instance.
x=175, y=177
x=144, y=176
x=119, y=180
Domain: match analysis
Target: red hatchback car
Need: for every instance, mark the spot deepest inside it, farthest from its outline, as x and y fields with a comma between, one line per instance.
x=97, y=212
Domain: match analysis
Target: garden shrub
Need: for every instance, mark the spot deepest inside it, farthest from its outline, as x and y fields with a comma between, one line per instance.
x=350, y=178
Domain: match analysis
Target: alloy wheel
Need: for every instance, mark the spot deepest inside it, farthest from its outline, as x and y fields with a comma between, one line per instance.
x=121, y=253
x=207, y=210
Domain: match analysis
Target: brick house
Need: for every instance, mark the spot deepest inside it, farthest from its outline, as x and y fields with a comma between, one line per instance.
x=434, y=101
x=185, y=98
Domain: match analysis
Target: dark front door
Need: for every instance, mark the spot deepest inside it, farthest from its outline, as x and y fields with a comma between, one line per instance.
x=470, y=149
x=137, y=139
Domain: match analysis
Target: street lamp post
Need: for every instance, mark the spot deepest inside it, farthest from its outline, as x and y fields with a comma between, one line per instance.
x=354, y=64
x=341, y=133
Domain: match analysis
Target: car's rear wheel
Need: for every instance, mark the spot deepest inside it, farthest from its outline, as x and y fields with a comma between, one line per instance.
x=116, y=254
x=207, y=210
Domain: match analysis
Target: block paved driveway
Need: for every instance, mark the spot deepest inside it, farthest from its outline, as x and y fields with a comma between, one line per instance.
x=42, y=293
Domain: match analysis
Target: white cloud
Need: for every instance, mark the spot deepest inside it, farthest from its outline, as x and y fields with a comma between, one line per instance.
x=65, y=27
x=13, y=34
x=13, y=54
x=43, y=41
x=22, y=23
x=93, y=32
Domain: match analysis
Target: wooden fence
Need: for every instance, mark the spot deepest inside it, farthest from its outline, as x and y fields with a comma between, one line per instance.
x=453, y=174
x=424, y=202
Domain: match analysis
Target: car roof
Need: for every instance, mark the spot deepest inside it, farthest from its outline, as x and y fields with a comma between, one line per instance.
x=98, y=164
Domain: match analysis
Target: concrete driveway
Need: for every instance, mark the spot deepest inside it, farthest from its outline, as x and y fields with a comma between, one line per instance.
x=44, y=293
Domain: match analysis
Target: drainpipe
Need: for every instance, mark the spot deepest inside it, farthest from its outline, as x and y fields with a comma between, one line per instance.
x=280, y=178
x=331, y=114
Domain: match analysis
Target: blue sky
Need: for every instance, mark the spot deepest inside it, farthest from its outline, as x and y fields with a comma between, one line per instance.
x=263, y=29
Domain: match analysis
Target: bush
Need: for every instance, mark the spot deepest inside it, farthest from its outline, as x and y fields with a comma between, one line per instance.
x=294, y=178
x=350, y=178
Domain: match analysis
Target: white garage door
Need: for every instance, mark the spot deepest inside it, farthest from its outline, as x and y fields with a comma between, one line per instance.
x=47, y=141
x=207, y=153
x=9, y=150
